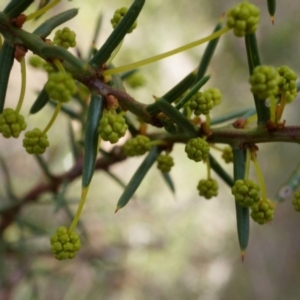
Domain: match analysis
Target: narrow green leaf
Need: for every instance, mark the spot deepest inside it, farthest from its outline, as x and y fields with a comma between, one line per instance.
x=91, y=138
x=168, y=179
x=68, y=111
x=242, y=213
x=117, y=83
x=44, y=166
x=95, y=36
x=127, y=74
x=174, y=93
x=40, y=102
x=169, y=126
x=115, y=178
x=37, y=230
x=59, y=198
x=208, y=54
x=16, y=7
x=73, y=144
x=263, y=112
x=252, y=52
x=131, y=128
x=192, y=91
x=118, y=34
x=7, y=180
x=244, y=113
x=46, y=28
x=73, y=62
x=177, y=117
x=138, y=177
x=6, y=62
x=220, y=171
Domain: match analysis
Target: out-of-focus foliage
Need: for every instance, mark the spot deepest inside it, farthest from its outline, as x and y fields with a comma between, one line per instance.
x=164, y=246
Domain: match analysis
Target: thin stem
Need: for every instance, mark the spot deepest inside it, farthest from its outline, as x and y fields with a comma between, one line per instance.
x=54, y=116
x=166, y=54
x=158, y=143
x=247, y=163
x=216, y=147
x=208, y=168
x=281, y=107
x=192, y=92
x=23, y=85
x=84, y=193
x=251, y=119
x=259, y=176
x=42, y=10
x=207, y=123
x=59, y=65
x=115, y=52
x=272, y=109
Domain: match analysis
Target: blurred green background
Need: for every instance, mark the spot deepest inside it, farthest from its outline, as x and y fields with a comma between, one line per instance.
x=160, y=246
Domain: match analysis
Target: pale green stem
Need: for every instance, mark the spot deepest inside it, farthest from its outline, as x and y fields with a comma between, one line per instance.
x=59, y=104
x=272, y=109
x=23, y=85
x=252, y=119
x=259, y=176
x=115, y=52
x=207, y=123
x=208, y=168
x=216, y=147
x=59, y=66
x=281, y=107
x=54, y=116
x=158, y=143
x=247, y=163
x=164, y=55
x=1, y=41
x=84, y=193
x=42, y=10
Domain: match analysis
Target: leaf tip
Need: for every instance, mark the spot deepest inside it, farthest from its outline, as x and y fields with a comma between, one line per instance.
x=273, y=19
x=243, y=253
x=222, y=17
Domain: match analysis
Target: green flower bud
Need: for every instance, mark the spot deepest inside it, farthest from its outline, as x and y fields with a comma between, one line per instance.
x=201, y=103
x=165, y=162
x=35, y=142
x=135, y=80
x=263, y=211
x=118, y=16
x=64, y=244
x=197, y=149
x=227, y=154
x=138, y=145
x=246, y=192
x=60, y=86
x=264, y=81
x=208, y=188
x=65, y=38
x=243, y=18
x=112, y=127
x=36, y=62
x=215, y=95
x=11, y=123
x=287, y=84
